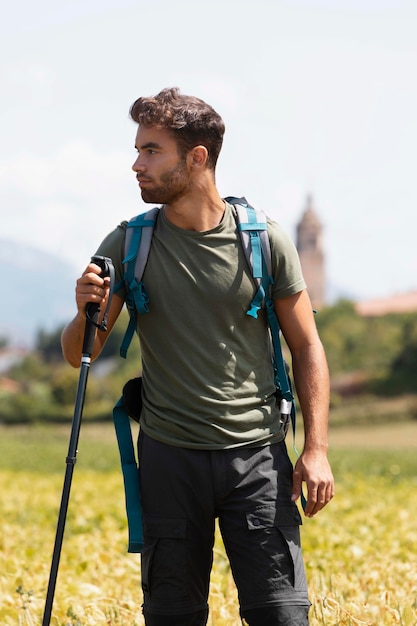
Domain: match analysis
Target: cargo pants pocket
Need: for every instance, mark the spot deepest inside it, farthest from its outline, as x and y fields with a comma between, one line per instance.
x=265, y=556
x=164, y=563
x=279, y=543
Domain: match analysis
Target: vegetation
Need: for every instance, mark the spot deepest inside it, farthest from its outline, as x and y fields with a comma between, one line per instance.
x=381, y=349
x=371, y=360
x=47, y=386
x=358, y=551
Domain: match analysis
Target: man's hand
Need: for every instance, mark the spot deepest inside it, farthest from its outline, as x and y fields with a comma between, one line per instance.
x=91, y=287
x=313, y=468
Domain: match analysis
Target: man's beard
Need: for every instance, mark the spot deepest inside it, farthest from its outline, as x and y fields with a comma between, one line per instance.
x=173, y=184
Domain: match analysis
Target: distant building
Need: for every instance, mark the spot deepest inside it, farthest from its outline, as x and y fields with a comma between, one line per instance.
x=309, y=244
x=399, y=303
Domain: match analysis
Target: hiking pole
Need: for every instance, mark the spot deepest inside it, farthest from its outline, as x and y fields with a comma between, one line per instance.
x=92, y=312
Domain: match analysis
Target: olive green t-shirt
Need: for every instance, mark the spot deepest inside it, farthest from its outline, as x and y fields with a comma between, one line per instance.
x=207, y=372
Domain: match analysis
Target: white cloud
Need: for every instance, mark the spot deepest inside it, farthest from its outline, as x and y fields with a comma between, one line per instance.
x=67, y=201
x=75, y=168
x=317, y=95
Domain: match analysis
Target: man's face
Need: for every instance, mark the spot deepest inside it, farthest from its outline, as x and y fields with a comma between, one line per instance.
x=161, y=172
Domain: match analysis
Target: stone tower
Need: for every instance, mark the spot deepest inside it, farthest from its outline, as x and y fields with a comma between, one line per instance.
x=310, y=249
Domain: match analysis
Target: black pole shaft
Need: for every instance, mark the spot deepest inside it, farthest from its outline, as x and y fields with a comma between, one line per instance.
x=71, y=458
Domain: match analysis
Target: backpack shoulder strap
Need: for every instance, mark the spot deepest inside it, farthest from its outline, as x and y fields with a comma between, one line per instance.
x=138, y=240
x=253, y=230
x=139, y=231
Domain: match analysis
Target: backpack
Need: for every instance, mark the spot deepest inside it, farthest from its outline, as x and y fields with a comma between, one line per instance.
x=252, y=226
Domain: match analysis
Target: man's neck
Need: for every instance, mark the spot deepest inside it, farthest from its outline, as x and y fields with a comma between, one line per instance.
x=199, y=210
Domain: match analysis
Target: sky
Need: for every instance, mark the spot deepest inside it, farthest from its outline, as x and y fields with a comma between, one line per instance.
x=318, y=96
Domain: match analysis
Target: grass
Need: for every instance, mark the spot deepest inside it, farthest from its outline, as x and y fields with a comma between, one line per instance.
x=359, y=551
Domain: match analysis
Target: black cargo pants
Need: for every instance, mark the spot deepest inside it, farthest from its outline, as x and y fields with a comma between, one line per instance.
x=249, y=491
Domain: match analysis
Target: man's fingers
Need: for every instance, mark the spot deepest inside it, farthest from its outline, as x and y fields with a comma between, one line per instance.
x=91, y=287
x=318, y=497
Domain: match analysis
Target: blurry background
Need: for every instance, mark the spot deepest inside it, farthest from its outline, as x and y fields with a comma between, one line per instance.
x=318, y=97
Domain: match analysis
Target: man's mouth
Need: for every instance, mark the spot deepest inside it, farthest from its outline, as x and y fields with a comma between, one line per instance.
x=142, y=181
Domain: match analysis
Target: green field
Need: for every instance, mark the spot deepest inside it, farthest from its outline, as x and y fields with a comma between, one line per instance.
x=360, y=552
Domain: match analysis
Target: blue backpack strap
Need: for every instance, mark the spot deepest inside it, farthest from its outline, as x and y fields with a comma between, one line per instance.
x=130, y=477
x=253, y=232
x=138, y=241
x=253, y=229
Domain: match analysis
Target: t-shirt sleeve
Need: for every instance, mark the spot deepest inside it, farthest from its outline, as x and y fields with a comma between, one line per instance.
x=286, y=266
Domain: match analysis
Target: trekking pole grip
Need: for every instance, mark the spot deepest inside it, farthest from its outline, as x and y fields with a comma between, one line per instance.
x=93, y=309
x=92, y=312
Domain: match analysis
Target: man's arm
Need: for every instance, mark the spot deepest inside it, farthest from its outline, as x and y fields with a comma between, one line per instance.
x=90, y=287
x=311, y=378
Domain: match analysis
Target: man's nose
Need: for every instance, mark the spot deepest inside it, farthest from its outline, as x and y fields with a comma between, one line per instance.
x=138, y=165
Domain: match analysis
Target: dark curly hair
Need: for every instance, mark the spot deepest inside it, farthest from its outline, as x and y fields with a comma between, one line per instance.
x=190, y=120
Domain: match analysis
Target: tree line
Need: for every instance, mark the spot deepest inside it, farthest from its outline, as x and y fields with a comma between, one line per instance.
x=367, y=356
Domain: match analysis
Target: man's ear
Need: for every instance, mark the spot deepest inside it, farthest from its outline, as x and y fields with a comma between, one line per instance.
x=198, y=156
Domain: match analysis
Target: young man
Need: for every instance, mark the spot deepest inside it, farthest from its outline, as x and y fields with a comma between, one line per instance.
x=210, y=443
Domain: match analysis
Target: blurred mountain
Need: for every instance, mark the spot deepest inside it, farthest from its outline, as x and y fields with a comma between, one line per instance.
x=37, y=292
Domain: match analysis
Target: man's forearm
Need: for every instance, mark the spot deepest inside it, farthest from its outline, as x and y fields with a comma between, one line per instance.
x=72, y=340
x=311, y=378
